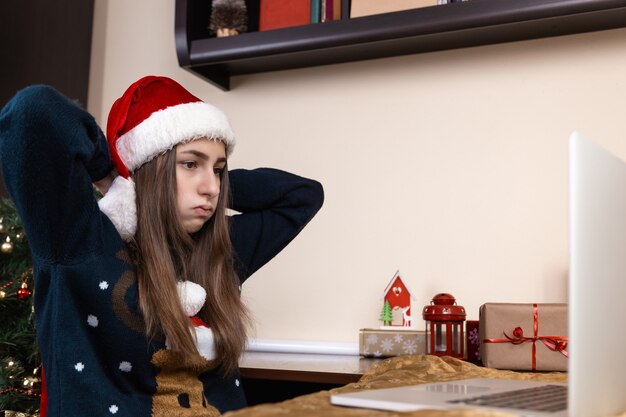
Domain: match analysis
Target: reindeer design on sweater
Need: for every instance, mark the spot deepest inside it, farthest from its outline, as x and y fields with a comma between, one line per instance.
x=179, y=391
x=173, y=376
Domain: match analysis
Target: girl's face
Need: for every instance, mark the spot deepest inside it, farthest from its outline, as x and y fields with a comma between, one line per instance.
x=199, y=167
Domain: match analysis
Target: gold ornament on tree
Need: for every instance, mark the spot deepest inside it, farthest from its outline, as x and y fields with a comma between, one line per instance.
x=7, y=246
x=3, y=293
x=228, y=17
x=1, y=225
x=9, y=413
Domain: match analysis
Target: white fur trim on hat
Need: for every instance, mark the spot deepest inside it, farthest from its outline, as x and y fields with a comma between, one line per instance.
x=168, y=127
x=119, y=206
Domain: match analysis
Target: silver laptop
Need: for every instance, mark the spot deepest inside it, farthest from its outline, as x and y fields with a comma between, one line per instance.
x=597, y=312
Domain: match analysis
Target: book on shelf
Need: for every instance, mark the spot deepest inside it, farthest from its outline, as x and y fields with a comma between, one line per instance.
x=336, y=9
x=345, y=9
x=326, y=10
x=359, y=8
x=329, y=10
x=276, y=14
x=315, y=11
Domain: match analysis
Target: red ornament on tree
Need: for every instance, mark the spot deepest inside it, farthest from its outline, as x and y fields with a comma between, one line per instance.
x=23, y=293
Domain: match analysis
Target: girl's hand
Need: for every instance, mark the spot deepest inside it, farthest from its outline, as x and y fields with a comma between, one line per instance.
x=104, y=184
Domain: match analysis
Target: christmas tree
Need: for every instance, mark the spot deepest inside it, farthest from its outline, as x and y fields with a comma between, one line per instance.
x=20, y=383
x=386, y=315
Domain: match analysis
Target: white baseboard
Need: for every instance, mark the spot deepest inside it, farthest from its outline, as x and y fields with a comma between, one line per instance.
x=303, y=346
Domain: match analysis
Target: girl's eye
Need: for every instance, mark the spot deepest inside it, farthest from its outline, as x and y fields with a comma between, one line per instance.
x=189, y=164
x=218, y=170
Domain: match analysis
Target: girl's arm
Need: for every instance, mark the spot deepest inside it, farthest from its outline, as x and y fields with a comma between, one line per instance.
x=275, y=206
x=51, y=152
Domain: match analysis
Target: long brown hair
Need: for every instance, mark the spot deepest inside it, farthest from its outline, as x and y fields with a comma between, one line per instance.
x=165, y=253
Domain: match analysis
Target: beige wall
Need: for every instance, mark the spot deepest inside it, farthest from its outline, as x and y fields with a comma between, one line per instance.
x=449, y=166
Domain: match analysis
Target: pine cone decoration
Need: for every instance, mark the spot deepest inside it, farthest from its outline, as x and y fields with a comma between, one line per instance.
x=228, y=17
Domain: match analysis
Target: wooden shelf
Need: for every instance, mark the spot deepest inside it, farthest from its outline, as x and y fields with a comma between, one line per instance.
x=305, y=367
x=455, y=25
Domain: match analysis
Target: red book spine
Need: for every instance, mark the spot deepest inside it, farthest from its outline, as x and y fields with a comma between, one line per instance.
x=276, y=14
x=329, y=10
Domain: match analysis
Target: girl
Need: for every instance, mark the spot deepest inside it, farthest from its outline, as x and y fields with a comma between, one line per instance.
x=137, y=295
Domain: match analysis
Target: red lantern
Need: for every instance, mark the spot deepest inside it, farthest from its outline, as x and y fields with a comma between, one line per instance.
x=444, y=326
x=23, y=293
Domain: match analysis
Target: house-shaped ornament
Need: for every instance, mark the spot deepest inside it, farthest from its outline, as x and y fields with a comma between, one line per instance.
x=396, y=312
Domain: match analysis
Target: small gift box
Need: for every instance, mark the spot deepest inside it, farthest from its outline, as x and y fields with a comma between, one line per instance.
x=524, y=336
x=379, y=343
x=473, y=341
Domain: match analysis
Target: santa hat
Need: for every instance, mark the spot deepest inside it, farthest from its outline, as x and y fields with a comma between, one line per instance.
x=152, y=116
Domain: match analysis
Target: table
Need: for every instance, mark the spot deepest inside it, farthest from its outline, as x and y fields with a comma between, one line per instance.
x=288, y=375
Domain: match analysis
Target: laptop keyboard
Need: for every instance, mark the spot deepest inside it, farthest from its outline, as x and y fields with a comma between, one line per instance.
x=547, y=398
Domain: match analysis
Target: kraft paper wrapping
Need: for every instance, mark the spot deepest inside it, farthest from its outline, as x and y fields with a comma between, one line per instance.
x=499, y=320
x=378, y=343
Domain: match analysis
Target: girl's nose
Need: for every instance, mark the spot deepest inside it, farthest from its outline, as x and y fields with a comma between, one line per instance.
x=210, y=185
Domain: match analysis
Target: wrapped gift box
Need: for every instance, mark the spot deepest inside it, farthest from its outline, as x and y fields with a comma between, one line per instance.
x=380, y=343
x=472, y=344
x=524, y=337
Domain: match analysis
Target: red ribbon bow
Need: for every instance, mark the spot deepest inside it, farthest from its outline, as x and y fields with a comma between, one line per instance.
x=554, y=343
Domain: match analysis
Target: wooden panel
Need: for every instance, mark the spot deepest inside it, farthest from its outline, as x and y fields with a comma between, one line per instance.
x=46, y=41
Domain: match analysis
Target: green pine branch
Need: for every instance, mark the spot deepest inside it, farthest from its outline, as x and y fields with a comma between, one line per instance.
x=20, y=386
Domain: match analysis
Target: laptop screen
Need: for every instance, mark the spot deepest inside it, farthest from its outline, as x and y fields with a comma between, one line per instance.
x=597, y=309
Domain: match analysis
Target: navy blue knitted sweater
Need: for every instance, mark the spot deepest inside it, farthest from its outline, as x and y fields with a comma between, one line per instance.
x=97, y=358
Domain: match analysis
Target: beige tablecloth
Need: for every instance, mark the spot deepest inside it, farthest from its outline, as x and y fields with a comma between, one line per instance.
x=403, y=370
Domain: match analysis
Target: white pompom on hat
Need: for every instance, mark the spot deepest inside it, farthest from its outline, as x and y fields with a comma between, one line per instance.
x=192, y=297
x=152, y=116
